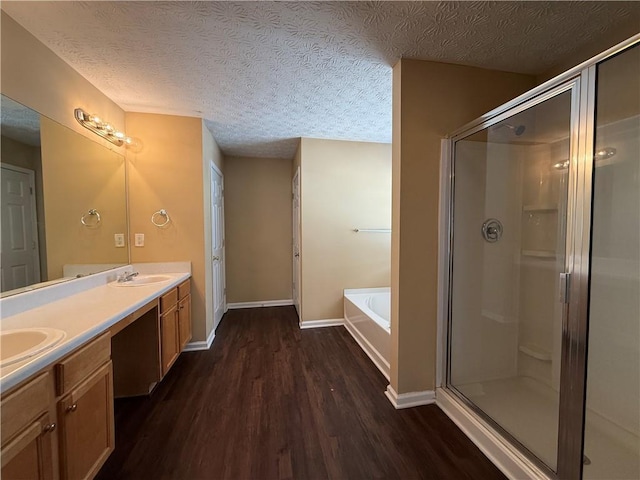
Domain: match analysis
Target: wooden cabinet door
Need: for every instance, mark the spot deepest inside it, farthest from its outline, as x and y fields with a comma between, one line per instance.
x=29, y=455
x=184, y=321
x=170, y=341
x=86, y=426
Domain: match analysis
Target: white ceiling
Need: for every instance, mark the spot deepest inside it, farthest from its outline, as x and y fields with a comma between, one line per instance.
x=264, y=73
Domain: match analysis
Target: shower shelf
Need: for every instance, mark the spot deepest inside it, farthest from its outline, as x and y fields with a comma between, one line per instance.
x=546, y=254
x=551, y=207
x=535, y=352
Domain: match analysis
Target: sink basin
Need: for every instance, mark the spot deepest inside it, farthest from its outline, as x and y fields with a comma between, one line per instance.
x=141, y=280
x=17, y=345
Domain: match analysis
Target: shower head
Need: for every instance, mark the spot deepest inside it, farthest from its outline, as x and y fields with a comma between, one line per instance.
x=518, y=130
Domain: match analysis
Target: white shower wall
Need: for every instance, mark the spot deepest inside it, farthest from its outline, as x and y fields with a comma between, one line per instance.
x=486, y=300
x=613, y=383
x=501, y=302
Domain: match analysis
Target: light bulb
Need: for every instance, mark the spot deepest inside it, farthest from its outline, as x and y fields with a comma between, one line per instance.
x=606, y=152
x=119, y=135
x=561, y=165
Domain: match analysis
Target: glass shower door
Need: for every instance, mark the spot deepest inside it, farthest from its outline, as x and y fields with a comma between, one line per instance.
x=509, y=217
x=612, y=418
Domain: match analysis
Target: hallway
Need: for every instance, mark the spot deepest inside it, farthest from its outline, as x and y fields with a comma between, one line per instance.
x=271, y=401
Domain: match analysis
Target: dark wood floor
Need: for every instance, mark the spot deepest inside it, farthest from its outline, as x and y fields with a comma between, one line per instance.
x=270, y=401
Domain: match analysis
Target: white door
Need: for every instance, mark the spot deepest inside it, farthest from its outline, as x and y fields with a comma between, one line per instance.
x=296, y=241
x=20, y=261
x=217, y=243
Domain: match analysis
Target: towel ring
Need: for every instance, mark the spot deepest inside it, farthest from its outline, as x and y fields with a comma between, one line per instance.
x=161, y=213
x=91, y=213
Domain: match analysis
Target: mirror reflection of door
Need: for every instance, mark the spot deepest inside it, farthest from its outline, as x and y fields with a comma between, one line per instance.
x=20, y=258
x=217, y=241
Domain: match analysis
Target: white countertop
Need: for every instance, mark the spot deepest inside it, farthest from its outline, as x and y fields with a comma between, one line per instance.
x=82, y=316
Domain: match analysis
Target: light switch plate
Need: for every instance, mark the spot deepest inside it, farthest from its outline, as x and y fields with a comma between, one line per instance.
x=139, y=239
x=119, y=239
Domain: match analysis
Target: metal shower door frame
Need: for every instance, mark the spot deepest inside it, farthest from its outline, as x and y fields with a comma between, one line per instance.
x=573, y=86
x=582, y=80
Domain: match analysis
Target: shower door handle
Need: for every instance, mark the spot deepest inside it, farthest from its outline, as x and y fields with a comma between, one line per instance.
x=565, y=283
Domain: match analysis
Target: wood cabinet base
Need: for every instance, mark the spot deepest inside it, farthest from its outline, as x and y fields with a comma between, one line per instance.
x=86, y=426
x=29, y=455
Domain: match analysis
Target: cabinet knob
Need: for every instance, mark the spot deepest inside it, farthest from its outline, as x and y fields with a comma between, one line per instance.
x=72, y=408
x=49, y=428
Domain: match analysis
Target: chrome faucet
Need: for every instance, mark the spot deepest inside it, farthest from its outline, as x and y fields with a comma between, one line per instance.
x=126, y=277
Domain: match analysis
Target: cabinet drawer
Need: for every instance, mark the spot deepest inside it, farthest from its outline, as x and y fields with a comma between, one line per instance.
x=168, y=300
x=184, y=289
x=78, y=366
x=24, y=405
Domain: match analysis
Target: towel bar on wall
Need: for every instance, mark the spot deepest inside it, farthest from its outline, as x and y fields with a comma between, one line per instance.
x=372, y=230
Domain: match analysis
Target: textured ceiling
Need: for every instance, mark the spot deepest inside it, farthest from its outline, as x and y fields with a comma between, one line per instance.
x=264, y=73
x=19, y=122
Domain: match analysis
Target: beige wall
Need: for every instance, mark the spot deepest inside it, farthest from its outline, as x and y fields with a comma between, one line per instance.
x=210, y=150
x=258, y=229
x=170, y=171
x=36, y=77
x=78, y=175
x=430, y=100
x=345, y=185
x=19, y=154
x=297, y=159
x=167, y=172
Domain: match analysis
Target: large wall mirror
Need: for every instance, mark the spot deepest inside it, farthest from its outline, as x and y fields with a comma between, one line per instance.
x=63, y=202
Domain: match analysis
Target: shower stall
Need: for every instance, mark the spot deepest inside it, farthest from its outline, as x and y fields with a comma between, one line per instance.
x=541, y=309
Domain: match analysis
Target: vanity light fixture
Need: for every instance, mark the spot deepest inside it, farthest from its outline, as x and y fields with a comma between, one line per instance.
x=102, y=128
x=561, y=165
x=600, y=154
x=604, y=153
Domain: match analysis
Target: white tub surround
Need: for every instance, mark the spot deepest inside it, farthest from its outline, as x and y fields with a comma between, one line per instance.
x=367, y=319
x=82, y=308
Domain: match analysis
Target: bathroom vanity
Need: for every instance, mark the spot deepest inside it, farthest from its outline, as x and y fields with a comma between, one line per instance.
x=57, y=417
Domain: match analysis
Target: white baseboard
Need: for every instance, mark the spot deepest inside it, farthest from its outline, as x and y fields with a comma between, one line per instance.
x=264, y=303
x=411, y=399
x=196, y=346
x=503, y=456
x=329, y=322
